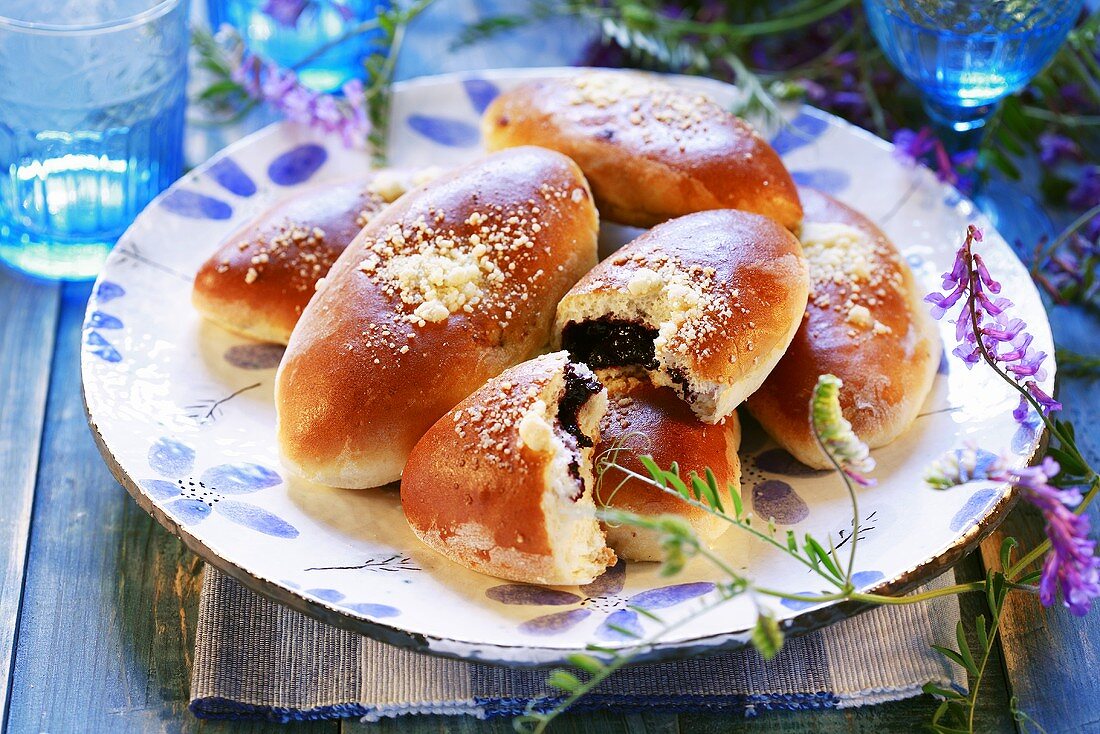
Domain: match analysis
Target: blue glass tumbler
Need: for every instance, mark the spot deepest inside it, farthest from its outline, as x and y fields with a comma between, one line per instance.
x=91, y=125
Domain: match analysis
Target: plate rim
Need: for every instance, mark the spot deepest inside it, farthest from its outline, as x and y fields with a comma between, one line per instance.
x=803, y=622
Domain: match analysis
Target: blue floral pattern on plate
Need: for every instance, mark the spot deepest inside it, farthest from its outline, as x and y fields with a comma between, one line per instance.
x=192, y=499
x=140, y=378
x=602, y=596
x=297, y=165
x=335, y=596
x=193, y=205
x=232, y=177
x=445, y=130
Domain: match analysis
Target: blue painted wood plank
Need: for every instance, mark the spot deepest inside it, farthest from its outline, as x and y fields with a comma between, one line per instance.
x=1051, y=657
x=28, y=321
x=107, y=627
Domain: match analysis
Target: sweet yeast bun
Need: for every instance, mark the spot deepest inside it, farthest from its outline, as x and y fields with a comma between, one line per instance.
x=645, y=419
x=707, y=303
x=865, y=323
x=263, y=275
x=650, y=151
x=447, y=287
x=503, y=483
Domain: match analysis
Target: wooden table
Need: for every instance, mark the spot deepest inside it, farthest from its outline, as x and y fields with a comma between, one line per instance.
x=98, y=603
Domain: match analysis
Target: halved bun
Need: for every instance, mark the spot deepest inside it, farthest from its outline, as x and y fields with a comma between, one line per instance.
x=447, y=287
x=864, y=323
x=263, y=275
x=650, y=150
x=502, y=483
x=645, y=419
x=707, y=303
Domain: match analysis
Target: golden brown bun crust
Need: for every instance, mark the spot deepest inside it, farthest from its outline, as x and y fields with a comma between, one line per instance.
x=750, y=274
x=886, y=374
x=360, y=383
x=261, y=278
x=650, y=151
x=645, y=419
x=473, y=491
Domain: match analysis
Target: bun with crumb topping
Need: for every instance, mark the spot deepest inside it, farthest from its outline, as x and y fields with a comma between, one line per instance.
x=651, y=151
x=706, y=303
x=447, y=287
x=503, y=483
x=865, y=323
x=645, y=419
x=261, y=278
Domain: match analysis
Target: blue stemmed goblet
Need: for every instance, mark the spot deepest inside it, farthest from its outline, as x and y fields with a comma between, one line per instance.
x=965, y=56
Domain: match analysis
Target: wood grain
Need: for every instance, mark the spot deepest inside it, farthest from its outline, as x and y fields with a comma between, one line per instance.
x=1051, y=657
x=107, y=628
x=29, y=320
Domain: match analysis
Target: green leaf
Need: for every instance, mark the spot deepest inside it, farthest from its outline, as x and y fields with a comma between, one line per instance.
x=792, y=542
x=983, y=634
x=933, y=690
x=699, y=488
x=715, y=497
x=624, y=631
x=563, y=680
x=738, y=506
x=654, y=471
x=674, y=479
x=1030, y=577
x=767, y=638
x=814, y=550
x=587, y=663
x=219, y=89
x=964, y=647
x=952, y=655
x=644, y=612
x=1007, y=546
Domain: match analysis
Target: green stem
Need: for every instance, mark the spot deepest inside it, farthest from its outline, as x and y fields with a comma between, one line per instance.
x=367, y=25
x=851, y=494
x=732, y=521
x=1068, y=120
x=1065, y=443
x=618, y=662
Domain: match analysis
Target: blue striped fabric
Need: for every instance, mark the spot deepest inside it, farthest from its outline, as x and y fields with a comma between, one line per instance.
x=255, y=659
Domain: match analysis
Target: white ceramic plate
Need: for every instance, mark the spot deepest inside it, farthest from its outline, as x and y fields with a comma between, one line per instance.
x=183, y=413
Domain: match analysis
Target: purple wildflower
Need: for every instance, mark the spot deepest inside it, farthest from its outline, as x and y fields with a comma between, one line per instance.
x=911, y=148
x=1071, y=567
x=285, y=12
x=984, y=329
x=1054, y=148
x=267, y=82
x=1086, y=193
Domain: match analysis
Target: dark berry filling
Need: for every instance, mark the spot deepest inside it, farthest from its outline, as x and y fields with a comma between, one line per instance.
x=578, y=389
x=609, y=342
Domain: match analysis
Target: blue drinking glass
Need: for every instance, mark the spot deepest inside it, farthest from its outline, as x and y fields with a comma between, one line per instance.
x=91, y=125
x=292, y=33
x=966, y=55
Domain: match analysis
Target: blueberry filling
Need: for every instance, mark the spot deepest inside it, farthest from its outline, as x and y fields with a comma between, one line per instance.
x=578, y=389
x=609, y=342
